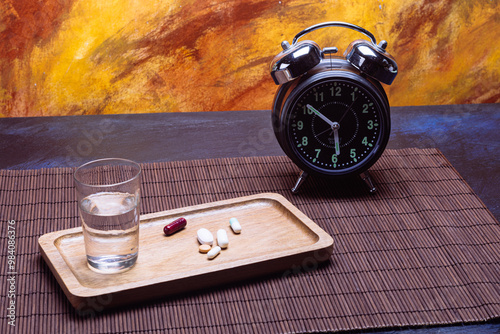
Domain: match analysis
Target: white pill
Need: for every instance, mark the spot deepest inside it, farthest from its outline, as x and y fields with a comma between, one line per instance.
x=235, y=225
x=213, y=252
x=222, y=239
x=205, y=237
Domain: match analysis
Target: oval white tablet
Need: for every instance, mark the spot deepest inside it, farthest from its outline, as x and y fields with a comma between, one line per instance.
x=213, y=252
x=205, y=237
x=222, y=239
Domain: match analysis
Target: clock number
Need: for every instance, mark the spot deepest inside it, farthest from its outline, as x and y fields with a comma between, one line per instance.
x=365, y=108
x=371, y=125
x=353, y=153
x=353, y=96
x=334, y=158
x=304, y=141
x=318, y=150
x=307, y=110
x=336, y=91
x=300, y=125
x=319, y=96
x=365, y=141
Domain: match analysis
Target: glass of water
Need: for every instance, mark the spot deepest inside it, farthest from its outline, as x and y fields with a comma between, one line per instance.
x=108, y=193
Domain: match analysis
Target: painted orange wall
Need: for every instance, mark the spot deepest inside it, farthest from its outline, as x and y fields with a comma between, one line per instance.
x=74, y=57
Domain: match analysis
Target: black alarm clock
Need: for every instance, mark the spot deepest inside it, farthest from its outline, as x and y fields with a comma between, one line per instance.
x=330, y=114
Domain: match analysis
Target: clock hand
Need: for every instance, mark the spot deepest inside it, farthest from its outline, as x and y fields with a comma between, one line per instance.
x=323, y=117
x=319, y=134
x=336, y=127
x=345, y=112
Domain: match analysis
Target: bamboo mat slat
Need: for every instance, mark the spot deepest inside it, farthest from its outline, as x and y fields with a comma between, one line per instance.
x=424, y=250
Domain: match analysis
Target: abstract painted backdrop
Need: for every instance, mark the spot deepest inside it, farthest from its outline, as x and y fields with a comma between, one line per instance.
x=74, y=57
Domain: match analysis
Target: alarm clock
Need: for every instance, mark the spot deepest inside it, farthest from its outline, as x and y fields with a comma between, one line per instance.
x=330, y=113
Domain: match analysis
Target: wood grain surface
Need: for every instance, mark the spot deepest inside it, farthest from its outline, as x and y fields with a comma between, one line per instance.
x=275, y=236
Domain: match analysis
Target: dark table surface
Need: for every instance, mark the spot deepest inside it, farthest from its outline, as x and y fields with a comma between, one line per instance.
x=468, y=135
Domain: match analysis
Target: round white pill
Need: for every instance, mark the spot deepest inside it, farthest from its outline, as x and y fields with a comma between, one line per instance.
x=213, y=252
x=205, y=237
x=222, y=239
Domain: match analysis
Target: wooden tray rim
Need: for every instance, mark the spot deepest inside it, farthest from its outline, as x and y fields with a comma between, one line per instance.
x=71, y=285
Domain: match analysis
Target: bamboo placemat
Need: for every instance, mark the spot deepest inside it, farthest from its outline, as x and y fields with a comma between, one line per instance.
x=423, y=250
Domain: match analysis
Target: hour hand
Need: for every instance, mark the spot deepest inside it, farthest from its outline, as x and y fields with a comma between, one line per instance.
x=333, y=126
x=320, y=115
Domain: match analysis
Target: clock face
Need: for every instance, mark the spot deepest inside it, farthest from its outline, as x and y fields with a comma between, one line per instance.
x=337, y=126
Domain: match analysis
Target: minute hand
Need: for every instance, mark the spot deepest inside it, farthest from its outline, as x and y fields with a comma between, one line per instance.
x=333, y=126
x=323, y=117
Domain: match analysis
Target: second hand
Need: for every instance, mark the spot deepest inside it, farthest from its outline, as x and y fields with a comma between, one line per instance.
x=345, y=113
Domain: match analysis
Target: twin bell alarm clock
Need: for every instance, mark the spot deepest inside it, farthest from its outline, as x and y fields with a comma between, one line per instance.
x=330, y=114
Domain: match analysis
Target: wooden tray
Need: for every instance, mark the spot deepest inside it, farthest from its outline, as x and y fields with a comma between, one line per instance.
x=275, y=236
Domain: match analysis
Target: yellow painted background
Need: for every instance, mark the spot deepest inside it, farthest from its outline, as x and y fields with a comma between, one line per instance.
x=74, y=57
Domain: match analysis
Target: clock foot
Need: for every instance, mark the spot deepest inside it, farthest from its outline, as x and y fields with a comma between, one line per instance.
x=368, y=182
x=302, y=178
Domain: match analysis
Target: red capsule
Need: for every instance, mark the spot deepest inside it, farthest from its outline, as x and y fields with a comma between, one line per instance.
x=175, y=226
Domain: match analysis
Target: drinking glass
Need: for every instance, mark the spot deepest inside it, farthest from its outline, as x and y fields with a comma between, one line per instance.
x=108, y=193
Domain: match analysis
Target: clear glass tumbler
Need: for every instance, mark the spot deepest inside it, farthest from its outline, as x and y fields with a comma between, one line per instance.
x=108, y=193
